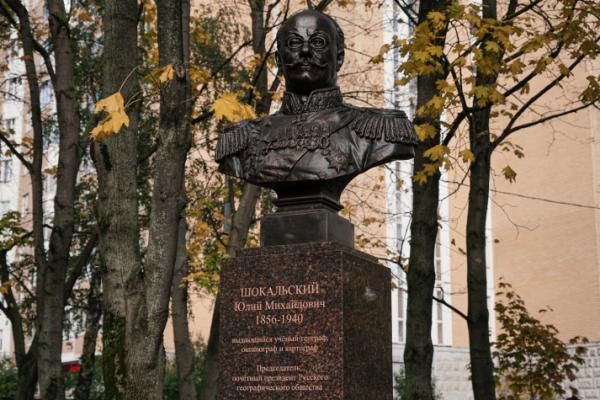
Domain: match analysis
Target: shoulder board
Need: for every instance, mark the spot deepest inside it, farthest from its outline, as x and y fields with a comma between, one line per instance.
x=391, y=125
x=234, y=139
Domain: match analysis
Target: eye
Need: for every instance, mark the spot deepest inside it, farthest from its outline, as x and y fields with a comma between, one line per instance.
x=318, y=42
x=294, y=43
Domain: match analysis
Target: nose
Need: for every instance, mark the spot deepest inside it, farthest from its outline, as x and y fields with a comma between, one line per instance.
x=305, y=49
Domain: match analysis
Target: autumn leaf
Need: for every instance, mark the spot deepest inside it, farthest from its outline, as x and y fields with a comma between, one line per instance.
x=114, y=107
x=466, y=155
x=492, y=46
x=167, y=73
x=229, y=107
x=199, y=75
x=425, y=131
x=436, y=153
x=5, y=287
x=509, y=174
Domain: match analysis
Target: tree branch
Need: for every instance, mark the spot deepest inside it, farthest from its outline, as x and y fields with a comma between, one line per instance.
x=508, y=130
x=82, y=261
x=16, y=152
x=551, y=117
x=450, y=306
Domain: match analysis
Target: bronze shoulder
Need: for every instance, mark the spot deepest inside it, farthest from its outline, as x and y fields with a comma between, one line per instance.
x=390, y=125
x=235, y=138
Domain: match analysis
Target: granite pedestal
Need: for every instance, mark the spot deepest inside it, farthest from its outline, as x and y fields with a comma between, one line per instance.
x=305, y=321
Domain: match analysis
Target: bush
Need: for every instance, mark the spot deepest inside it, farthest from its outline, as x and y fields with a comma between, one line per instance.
x=8, y=379
x=531, y=361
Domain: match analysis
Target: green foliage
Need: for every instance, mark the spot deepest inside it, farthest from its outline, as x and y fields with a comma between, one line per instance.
x=400, y=387
x=532, y=362
x=8, y=379
x=171, y=388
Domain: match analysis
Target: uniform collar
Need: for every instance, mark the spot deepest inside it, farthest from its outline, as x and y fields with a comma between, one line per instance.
x=318, y=100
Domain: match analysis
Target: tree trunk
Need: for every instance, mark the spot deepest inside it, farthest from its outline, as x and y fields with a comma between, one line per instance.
x=51, y=312
x=149, y=294
x=184, y=351
x=115, y=159
x=482, y=367
x=26, y=360
x=27, y=378
x=418, y=351
x=482, y=372
x=92, y=325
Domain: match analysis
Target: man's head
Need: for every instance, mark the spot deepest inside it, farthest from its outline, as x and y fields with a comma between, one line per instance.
x=310, y=51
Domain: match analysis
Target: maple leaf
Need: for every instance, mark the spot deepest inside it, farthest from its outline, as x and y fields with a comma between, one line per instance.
x=509, y=173
x=436, y=153
x=229, y=107
x=492, y=46
x=425, y=131
x=114, y=107
x=167, y=73
x=5, y=288
x=466, y=155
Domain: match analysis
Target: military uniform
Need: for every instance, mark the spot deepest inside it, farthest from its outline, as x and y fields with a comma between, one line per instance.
x=321, y=139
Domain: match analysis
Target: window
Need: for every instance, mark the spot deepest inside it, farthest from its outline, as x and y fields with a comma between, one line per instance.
x=25, y=204
x=5, y=170
x=4, y=207
x=45, y=95
x=401, y=316
x=12, y=88
x=439, y=321
x=9, y=124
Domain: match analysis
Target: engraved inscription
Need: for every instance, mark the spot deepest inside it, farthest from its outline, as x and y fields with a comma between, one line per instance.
x=275, y=312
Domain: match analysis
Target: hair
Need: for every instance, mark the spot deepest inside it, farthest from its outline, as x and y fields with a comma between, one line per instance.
x=339, y=34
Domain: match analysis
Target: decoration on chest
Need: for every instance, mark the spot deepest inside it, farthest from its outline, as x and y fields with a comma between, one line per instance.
x=299, y=135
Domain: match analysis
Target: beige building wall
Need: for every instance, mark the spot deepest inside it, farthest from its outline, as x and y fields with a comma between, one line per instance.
x=548, y=241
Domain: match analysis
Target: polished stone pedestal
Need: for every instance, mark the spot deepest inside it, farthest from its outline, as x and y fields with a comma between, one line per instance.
x=305, y=226
x=305, y=321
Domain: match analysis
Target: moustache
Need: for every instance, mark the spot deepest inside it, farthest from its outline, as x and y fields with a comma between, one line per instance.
x=312, y=62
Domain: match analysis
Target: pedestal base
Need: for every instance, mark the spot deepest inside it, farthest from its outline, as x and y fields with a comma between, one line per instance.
x=305, y=226
x=305, y=322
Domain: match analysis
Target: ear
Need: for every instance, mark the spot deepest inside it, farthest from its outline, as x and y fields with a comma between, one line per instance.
x=278, y=60
x=340, y=59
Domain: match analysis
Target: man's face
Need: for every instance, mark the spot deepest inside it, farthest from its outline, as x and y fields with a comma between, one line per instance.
x=308, y=54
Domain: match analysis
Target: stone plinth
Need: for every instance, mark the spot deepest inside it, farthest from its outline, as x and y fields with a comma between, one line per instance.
x=305, y=226
x=305, y=321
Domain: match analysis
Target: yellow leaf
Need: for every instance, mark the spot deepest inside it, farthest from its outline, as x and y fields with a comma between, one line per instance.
x=420, y=177
x=425, y=131
x=111, y=104
x=5, y=288
x=167, y=73
x=509, y=174
x=114, y=106
x=436, y=153
x=466, y=155
x=228, y=106
x=492, y=46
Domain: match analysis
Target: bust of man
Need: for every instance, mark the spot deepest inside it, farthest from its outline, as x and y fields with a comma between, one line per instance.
x=315, y=144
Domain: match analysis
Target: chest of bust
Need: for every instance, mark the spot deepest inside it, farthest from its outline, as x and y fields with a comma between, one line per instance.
x=304, y=147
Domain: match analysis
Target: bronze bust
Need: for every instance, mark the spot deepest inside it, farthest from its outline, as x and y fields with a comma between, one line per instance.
x=315, y=144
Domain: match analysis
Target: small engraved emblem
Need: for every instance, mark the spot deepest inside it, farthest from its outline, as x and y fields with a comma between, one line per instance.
x=338, y=160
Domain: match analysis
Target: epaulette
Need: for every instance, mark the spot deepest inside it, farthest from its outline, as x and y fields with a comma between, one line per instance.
x=392, y=125
x=234, y=139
